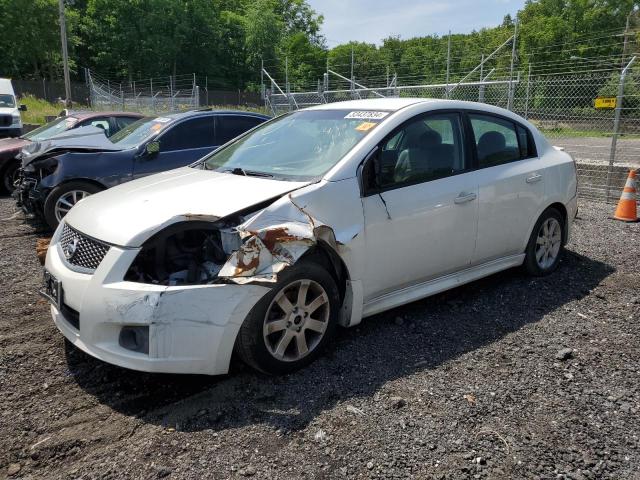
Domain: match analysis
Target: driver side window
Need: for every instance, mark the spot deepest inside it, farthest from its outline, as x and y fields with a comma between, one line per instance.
x=426, y=148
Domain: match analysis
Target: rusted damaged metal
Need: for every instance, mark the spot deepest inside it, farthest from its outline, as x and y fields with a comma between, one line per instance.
x=269, y=248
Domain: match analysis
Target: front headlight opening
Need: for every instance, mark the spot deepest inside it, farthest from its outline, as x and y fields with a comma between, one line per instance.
x=182, y=256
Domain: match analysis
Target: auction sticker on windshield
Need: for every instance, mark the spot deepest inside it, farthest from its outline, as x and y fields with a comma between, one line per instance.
x=367, y=115
x=364, y=126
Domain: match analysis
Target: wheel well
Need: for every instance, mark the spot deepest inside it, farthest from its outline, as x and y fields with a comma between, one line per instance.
x=563, y=212
x=8, y=164
x=326, y=256
x=85, y=180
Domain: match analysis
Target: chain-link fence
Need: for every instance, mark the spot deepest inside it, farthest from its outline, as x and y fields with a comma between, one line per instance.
x=604, y=141
x=589, y=107
x=152, y=95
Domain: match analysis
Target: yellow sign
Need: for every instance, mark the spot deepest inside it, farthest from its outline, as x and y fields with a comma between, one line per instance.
x=364, y=126
x=605, y=102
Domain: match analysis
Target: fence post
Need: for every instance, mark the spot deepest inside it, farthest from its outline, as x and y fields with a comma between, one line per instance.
x=286, y=81
x=481, y=77
x=616, y=125
x=513, y=58
x=526, y=101
x=448, y=63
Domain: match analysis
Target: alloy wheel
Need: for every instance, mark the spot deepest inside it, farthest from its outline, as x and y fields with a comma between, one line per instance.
x=68, y=200
x=548, y=243
x=296, y=320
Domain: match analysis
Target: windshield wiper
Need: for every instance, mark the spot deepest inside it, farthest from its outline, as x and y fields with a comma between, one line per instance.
x=248, y=173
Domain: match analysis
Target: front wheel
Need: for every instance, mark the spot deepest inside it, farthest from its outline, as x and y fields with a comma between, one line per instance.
x=10, y=176
x=545, y=244
x=63, y=198
x=288, y=328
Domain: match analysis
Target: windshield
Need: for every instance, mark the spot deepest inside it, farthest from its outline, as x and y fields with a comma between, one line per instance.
x=7, y=101
x=137, y=132
x=50, y=129
x=299, y=146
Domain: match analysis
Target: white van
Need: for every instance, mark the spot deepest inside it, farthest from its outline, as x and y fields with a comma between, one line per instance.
x=10, y=121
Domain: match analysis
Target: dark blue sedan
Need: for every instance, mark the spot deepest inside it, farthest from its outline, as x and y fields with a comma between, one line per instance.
x=58, y=173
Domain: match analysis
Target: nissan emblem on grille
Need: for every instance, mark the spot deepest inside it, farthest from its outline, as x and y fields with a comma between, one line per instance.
x=81, y=250
x=70, y=249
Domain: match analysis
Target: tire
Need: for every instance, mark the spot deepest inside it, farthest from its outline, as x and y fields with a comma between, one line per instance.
x=259, y=348
x=8, y=175
x=62, y=193
x=545, y=247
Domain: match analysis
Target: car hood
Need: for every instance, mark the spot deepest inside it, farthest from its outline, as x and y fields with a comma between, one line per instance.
x=78, y=139
x=7, y=110
x=11, y=145
x=129, y=214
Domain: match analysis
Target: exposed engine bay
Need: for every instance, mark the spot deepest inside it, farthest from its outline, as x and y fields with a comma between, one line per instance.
x=188, y=253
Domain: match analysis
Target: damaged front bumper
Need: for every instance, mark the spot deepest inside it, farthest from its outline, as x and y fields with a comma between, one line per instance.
x=146, y=327
x=29, y=196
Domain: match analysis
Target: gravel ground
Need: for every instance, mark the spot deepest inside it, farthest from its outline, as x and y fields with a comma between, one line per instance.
x=508, y=377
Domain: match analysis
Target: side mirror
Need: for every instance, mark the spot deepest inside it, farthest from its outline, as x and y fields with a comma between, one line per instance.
x=22, y=108
x=152, y=148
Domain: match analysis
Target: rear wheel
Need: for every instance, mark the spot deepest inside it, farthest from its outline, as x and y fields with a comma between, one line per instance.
x=288, y=328
x=64, y=197
x=545, y=245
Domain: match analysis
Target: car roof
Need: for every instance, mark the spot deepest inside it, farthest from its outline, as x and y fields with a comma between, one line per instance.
x=211, y=111
x=85, y=114
x=396, y=104
x=386, y=103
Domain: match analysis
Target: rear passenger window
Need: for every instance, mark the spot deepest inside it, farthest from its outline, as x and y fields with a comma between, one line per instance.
x=496, y=140
x=230, y=126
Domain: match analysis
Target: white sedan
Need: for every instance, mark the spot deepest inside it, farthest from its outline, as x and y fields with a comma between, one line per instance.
x=317, y=218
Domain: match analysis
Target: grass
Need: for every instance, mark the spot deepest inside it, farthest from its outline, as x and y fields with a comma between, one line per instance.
x=38, y=109
x=571, y=132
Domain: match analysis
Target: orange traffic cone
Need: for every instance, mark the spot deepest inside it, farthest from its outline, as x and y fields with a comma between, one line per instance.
x=627, y=209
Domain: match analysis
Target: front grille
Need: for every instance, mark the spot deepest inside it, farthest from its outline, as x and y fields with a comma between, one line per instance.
x=5, y=120
x=80, y=250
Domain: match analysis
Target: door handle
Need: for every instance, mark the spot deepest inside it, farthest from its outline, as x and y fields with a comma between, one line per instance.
x=465, y=197
x=534, y=178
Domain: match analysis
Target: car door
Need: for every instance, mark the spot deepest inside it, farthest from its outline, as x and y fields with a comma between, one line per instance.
x=420, y=207
x=180, y=144
x=229, y=126
x=510, y=183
